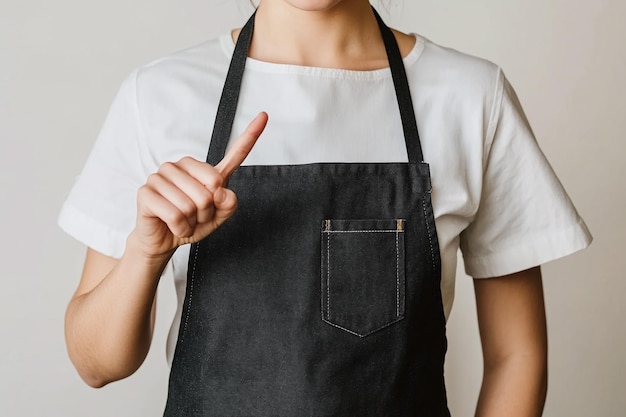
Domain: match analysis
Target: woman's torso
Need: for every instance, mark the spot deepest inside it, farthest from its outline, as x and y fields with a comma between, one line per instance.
x=331, y=115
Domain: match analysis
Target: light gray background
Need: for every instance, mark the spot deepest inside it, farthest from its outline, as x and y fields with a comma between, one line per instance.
x=62, y=61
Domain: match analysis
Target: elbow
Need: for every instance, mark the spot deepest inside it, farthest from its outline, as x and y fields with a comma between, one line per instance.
x=98, y=370
x=93, y=376
x=94, y=381
x=98, y=378
x=100, y=359
x=97, y=374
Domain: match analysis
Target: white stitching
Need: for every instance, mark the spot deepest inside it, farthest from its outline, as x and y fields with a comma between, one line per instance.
x=397, y=277
x=322, y=276
x=430, y=240
x=363, y=231
x=328, y=277
x=398, y=315
x=364, y=334
x=193, y=275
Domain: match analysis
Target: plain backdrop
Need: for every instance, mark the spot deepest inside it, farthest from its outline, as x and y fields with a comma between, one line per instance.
x=62, y=61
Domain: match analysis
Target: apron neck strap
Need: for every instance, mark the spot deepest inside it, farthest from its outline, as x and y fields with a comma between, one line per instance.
x=230, y=94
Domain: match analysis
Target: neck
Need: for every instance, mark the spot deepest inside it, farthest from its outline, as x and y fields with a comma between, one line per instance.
x=340, y=35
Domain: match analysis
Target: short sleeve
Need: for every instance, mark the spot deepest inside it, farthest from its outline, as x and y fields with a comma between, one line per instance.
x=100, y=209
x=525, y=217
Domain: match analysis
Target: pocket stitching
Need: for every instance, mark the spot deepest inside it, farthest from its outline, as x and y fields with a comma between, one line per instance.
x=327, y=231
x=397, y=276
x=397, y=319
x=328, y=276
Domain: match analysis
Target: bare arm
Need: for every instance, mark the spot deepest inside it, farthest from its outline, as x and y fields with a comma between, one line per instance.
x=109, y=320
x=511, y=318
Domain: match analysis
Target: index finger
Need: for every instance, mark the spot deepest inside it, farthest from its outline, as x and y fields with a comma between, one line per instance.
x=242, y=146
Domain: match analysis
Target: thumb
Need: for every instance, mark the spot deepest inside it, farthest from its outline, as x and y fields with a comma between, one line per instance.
x=225, y=202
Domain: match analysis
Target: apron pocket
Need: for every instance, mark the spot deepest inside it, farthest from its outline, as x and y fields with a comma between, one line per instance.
x=363, y=282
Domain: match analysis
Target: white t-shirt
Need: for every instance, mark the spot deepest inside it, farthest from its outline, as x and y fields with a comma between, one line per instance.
x=494, y=194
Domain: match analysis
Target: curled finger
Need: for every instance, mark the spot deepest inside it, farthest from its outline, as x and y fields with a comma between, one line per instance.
x=151, y=203
x=200, y=195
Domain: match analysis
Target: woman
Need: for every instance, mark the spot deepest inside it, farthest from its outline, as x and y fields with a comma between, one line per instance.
x=323, y=255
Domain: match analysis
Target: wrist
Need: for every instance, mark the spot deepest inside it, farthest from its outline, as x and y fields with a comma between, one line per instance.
x=138, y=254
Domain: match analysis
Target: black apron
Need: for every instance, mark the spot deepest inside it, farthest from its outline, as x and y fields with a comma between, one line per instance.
x=321, y=295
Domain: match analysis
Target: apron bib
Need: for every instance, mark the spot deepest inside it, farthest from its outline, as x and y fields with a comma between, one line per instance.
x=321, y=295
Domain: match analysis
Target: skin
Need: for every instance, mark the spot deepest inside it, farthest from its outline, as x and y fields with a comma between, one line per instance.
x=512, y=323
x=110, y=318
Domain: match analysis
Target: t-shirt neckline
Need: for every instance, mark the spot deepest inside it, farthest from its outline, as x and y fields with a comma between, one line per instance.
x=228, y=46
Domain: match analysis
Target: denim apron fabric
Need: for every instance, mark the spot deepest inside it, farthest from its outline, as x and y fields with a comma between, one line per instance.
x=321, y=295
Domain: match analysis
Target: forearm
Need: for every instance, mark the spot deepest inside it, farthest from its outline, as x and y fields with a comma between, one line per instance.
x=514, y=387
x=109, y=320
x=512, y=322
x=108, y=329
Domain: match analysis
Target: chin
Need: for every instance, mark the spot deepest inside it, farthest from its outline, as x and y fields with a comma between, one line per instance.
x=314, y=5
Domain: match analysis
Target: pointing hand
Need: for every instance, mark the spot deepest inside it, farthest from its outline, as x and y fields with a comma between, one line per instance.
x=185, y=201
